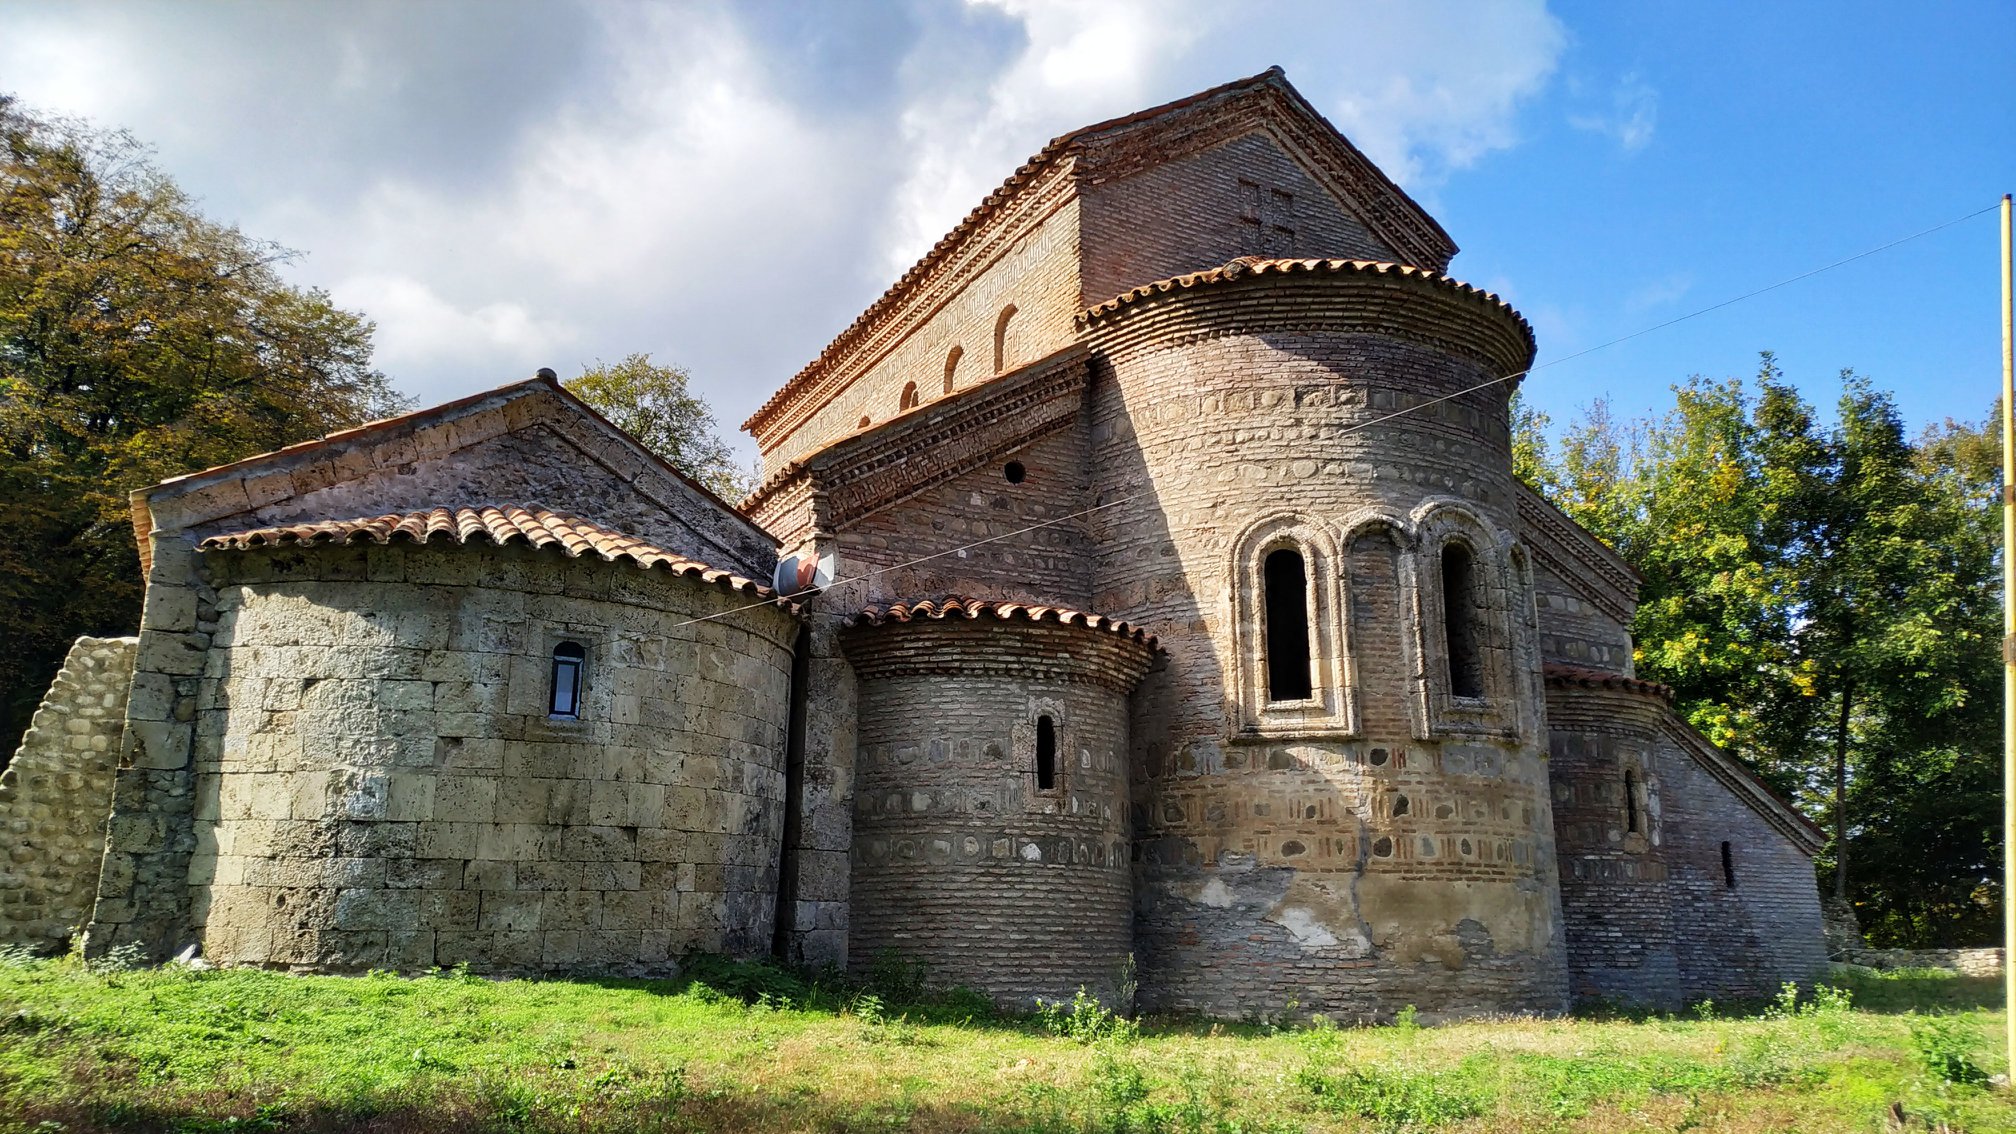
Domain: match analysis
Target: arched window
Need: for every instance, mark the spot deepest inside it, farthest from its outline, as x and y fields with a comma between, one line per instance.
x=1630, y=801
x=952, y=366
x=1046, y=754
x=1286, y=608
x=1001, y=338
x=570, y=672
x=909, y=399
x=1459, y=621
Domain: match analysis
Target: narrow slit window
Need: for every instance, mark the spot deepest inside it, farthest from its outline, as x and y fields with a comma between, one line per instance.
x=1046, y=754
x=1630, y=801
x=1728, y=868
x=1459, y=621
x=570, y=663
x=1286, y=626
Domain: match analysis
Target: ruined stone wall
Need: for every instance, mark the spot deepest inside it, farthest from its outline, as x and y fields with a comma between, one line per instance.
x=1642, y=809
x=378, y=782
x=1026, y=259
x=1243, y=197
x=55, y=796
x=1277, y=864
x=1051, y=564
x=962, y=859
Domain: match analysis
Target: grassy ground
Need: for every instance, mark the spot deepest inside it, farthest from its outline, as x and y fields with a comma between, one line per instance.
x=174, y=1050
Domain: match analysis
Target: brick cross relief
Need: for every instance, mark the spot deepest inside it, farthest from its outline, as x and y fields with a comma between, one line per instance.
x=1268, y=216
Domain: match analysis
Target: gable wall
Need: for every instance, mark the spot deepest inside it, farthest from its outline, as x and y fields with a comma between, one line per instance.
x=1574, y=630
x=1051, y=565
x=1196, y=212
x=1028, y=258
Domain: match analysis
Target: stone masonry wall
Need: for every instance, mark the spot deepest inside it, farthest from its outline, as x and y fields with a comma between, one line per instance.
x=55, y=795
x=1651, y=915
x=1745, y=939
x=1615, y=897
x=1051, y=564
x=962, y=860
x=512, y=444
x=1245, y=197
x=378, y=782
x=1277, y=863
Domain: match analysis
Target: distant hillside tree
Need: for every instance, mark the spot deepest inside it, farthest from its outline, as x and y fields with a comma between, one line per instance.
x=138, y=341
x=655, y=405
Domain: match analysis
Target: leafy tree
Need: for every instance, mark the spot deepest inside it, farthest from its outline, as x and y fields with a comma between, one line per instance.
x=138, y=341
x=1823, y=600
x=653, y=404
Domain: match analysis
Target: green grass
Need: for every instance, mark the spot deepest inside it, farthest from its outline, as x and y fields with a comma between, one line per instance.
x=739, y=1047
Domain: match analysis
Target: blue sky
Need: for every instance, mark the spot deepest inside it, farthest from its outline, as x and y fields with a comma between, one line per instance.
x=514, y=184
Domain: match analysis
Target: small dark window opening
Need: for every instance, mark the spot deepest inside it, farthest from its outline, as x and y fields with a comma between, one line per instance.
x=1287, y=626
x=1631, y=801
x=1728, y=868
x=1015, y=473
x=1046, y=754
x=1459, y=622
x=569, y=664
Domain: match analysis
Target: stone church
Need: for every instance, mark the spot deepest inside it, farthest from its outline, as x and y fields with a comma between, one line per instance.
x=1143, y=576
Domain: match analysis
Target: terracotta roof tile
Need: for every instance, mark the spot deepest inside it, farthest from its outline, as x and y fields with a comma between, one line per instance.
x=1244, y=266
x=974, y=608
x=1604, y=679
x=500, y=524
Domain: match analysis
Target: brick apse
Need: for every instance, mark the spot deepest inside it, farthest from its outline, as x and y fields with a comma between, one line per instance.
x=1187, y=622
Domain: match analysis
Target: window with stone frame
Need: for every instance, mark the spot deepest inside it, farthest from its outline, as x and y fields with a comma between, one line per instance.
x=569, y=680
x=1470, y=640
x=1286, y=599
x=1041, y=746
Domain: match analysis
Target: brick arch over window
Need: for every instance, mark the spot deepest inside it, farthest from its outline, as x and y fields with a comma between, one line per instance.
x=952, y=366
x=1379, y=587
x=1291, y=676
x=1001, y=343
x=909, y=399
x=1468, y=635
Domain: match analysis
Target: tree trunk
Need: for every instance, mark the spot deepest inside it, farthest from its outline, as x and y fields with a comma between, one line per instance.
x=1841, y=793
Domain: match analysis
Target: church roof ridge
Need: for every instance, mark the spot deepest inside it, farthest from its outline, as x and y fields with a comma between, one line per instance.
x=1273, y=76
x=532, y=524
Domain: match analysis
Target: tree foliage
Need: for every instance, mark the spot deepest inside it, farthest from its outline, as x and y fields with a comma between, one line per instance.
x=1823, y=598
x=653, y=404
x=138, y=341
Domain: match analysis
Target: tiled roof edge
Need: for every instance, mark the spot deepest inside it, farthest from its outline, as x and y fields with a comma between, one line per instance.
x=941, y=609
x=531, y=524
x=1575, y=675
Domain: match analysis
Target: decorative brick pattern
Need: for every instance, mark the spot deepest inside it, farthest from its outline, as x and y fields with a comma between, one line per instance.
x=55, y=793
x=963, y=860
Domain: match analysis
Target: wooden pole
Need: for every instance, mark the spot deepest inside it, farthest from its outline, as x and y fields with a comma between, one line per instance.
x=2008, y=645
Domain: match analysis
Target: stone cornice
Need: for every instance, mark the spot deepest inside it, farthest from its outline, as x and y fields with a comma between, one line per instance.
x=1577, y=557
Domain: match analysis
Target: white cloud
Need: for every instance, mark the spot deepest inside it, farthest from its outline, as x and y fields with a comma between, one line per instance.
x=1630, y=118
x=513, y=186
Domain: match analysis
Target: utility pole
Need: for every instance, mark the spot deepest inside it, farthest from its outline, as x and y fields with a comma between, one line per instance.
x=2008, y=645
